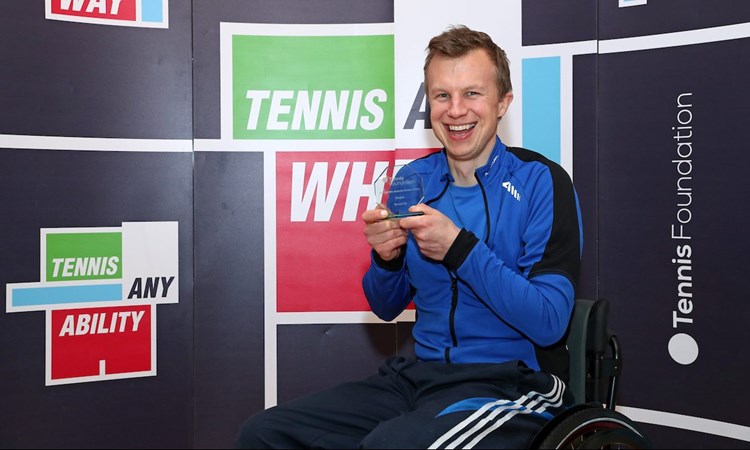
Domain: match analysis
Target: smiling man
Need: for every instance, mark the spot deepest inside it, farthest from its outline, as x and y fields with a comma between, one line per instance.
x=490, y=265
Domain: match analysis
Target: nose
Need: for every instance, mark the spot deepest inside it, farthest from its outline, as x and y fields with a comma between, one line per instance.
x=457, y=107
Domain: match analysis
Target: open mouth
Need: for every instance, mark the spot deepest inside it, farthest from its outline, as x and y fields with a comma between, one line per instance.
x=460, y=130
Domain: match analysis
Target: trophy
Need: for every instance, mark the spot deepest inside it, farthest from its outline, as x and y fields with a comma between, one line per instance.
x=398, y=188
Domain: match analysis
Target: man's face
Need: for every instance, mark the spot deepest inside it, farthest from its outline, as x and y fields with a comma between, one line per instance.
x=465, y=105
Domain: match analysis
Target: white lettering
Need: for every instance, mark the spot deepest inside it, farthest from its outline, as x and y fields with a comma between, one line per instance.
x=684, y=169
x=77, y=5
x=123, y=315
x=101, y=323
x=85, y=267
x=321, y=110
x=256, y=99
x=102, y=328
x=334, y=110
x=325, y=199
x=351, y=124
x=359, y=188
x=68, y=267
x=82, y=326
x=56, y=269
x=374, y=109
x=676, y=320
x=115, y=7
x=278, y=108
x=68, y=327
x=112, y=265
x=306, y=109
x=360, y=185
x=137, y=316
x=100, y=4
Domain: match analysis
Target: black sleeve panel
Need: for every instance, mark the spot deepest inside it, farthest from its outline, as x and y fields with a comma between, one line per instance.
x=563, y=251
x=460, y=249
x=393, y=265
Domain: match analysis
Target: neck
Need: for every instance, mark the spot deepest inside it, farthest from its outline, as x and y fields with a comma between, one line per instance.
x=463, y=169
x=463, y=172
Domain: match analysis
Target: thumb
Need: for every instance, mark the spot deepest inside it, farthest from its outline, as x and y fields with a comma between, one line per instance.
x=423, y=209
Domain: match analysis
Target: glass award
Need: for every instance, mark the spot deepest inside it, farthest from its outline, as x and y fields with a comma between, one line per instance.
x=398, y=188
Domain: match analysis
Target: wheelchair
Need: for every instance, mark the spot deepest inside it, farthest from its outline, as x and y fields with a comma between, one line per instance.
x=594, y=367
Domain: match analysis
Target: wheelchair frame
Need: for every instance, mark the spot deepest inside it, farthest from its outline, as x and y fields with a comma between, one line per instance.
x=595, y=367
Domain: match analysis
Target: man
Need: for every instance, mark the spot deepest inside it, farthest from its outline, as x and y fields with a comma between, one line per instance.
x=490, y=266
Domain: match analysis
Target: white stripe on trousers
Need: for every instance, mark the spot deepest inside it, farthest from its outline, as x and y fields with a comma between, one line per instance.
x=537, y=402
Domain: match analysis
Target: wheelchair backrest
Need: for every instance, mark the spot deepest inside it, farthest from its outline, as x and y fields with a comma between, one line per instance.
x=580, y=356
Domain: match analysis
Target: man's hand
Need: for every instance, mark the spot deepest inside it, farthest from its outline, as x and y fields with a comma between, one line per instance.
x=386, y=237
x=434, y=231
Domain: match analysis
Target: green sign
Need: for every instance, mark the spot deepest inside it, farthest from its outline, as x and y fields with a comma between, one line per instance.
x=313, y=87
x=84, y=256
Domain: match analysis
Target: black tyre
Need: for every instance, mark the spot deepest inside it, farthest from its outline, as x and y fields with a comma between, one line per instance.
x=592, y=427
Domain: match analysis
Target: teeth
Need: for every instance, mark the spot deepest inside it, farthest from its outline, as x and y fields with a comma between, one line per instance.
x=461, y=127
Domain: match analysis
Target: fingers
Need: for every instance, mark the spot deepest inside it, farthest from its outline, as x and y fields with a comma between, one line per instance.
x=433, y=232
x=386, y=237
x=424, y=209
x=388, y=244
x=419, y=221
x=374, y=215
x=390, y=248
x=380, y=232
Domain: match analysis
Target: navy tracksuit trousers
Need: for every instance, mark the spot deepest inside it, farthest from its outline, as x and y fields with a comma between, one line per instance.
x=411, y=404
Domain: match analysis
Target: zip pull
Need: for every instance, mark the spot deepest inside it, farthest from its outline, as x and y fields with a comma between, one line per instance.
x=454, y=305
x=454, y=287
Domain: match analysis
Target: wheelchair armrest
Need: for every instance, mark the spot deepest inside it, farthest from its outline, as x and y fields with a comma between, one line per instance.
x=603, y=356
x=595, y=359
x=577, y=342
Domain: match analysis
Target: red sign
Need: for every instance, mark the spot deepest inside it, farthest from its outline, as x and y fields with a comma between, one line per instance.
x=116, y=339
x=97, y=9
x=321, y=251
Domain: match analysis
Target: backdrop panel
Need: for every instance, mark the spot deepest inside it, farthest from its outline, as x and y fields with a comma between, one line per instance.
x=97, y=132
x=64, y=189
x=229, y=294
x=585, y=168
x=331, y=354
x=95, y=125
x=208, y=14
x=542, y=20
x=235, y=201
x=671, y=245
x=666, y=16
x=89, y=80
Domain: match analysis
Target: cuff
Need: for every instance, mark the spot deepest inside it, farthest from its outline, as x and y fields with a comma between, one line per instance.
x=394, y=265
x=460, y=249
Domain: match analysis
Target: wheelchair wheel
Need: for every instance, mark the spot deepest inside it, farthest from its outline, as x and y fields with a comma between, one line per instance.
x=592, y=427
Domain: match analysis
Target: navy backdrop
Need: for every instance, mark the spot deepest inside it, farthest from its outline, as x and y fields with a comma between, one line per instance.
x=105, y=123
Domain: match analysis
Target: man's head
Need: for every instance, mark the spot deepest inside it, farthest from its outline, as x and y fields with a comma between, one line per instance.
x=468, y=88
x=459, y=40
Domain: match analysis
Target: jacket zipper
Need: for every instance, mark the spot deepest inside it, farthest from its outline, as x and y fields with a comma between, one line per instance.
x=486, y=208
x=453, y=277
x=452, y=317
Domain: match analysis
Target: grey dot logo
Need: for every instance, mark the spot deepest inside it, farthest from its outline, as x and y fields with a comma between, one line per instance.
x=683, y=349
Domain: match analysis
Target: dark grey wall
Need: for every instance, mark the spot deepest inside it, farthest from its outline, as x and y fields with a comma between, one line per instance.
x=83, y=80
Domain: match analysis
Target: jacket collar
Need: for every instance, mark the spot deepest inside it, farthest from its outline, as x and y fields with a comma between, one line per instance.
x=494, y=162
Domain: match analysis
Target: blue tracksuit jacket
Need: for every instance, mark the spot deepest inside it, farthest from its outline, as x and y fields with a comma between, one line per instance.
x=494, y=296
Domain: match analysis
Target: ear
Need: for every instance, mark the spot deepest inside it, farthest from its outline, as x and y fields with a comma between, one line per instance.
x=504, y=104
